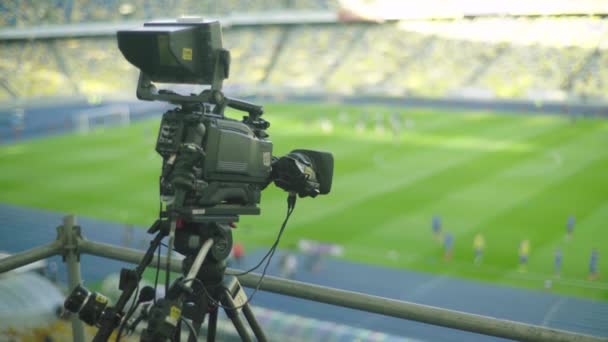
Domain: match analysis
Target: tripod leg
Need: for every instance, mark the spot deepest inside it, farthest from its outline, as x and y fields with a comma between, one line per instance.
x=200, y=309
x=212, y=324
x=234, y=317
x=108, y=321
x=196, y=325
x=253, y=323
x=236, y=297
x=178, y=332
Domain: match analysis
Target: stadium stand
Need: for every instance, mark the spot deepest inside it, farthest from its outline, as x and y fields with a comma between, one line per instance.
x=447, y=57
x=552, y=58
x=97, y=68
x=593, y=79
x=309, y=52
x=31, y=69
x=251, y=51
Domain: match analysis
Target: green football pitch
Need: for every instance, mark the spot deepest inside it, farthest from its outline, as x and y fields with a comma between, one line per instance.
x=508, y=177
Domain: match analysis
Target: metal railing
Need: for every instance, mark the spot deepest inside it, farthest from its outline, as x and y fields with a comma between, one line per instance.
x=70, y=244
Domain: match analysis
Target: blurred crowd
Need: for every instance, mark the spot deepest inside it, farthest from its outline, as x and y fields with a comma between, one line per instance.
x=515, y=58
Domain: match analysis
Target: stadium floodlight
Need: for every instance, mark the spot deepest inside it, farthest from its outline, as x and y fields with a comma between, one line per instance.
x=214, y=169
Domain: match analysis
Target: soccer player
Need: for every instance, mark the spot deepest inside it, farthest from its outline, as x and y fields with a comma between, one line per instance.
x=557, y=262
x=593, y=274
x=448, y=245
x=479, y=244
x=362, y=122
x=395, y=121
x=238, y=253
x=570, y=226
x=436, y=224
x=127, y=236
x=314, y=264
x=17, y=121
x=524, y=252
x=288, y=265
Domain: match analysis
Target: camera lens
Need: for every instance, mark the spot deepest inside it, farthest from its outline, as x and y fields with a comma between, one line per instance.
x=88, y=305
x=75, y=300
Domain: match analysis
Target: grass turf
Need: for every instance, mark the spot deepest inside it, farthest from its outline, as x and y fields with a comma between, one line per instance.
x=510, y=177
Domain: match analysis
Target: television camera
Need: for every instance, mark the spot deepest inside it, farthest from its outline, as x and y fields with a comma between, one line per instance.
x=214, y=169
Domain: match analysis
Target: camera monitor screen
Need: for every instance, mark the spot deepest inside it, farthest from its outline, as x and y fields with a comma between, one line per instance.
x=174, y=52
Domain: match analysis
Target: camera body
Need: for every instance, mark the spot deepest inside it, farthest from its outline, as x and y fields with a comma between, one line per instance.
x=220, y=165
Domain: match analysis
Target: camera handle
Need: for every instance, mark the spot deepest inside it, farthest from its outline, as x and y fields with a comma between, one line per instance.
x=254, y=119
x=244, y=106
x=112, y=316
x=147, y=91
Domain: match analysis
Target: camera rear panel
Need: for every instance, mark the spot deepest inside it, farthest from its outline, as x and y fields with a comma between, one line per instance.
x=170, y=134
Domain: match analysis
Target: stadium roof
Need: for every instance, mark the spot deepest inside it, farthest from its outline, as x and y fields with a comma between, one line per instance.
x=411, y=9
x=107, y=29
x=582, y=32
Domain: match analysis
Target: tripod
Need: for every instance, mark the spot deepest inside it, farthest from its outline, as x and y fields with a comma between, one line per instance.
x=204, y=289
x=227, y=294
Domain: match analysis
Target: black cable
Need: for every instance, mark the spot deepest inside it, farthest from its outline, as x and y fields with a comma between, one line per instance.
x=168, y=265
x=291, y=202
x=268, y=254
x=160, y=203
x=128, y=314
x=190, y=327
x=256, y=266
x=160, y=214
x=157, y=273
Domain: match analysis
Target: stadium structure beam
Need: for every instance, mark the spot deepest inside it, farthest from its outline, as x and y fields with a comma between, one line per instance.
x=89, y=30
x=69, y=234
x=71, y=244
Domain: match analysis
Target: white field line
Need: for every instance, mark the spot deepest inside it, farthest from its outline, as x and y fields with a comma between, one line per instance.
x=553, y=310
x=423, y=289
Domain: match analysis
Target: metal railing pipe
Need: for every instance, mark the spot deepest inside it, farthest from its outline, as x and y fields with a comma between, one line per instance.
x=416, y=312
x=29, y=256
x=130, y=255
x=385, y=306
